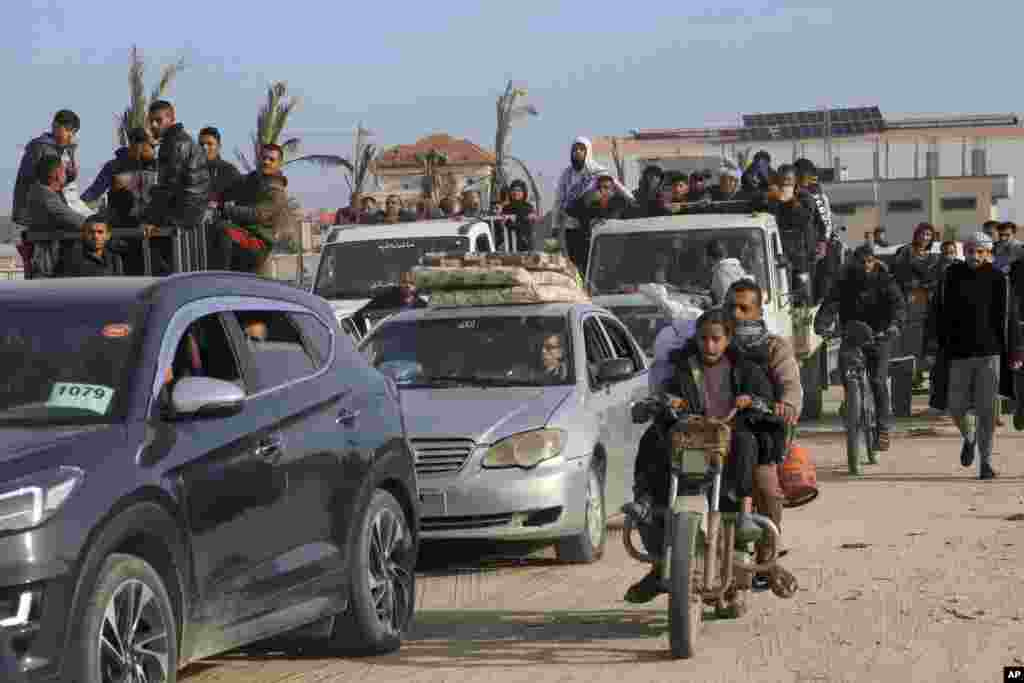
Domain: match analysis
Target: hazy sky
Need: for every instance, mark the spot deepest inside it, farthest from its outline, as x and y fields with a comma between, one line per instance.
x=411, y=68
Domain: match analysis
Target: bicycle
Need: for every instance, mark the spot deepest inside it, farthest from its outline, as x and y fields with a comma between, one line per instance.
x=860, y=414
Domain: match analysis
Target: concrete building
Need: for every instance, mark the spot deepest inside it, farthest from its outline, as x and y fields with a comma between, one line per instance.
x=954, y=171
x=399, y=173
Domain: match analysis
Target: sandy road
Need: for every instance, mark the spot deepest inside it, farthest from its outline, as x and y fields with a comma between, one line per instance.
x=937, y=594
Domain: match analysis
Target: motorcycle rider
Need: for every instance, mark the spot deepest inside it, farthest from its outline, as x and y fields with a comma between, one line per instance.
x=713, y=379
x=866, y=292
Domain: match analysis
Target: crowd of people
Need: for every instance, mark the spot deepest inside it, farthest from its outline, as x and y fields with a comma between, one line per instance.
x=160, y=183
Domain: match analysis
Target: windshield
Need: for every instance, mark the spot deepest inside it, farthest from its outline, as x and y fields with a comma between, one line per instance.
x=488, y=351
x=65, y=366
x=355, y=270
x=678, y=259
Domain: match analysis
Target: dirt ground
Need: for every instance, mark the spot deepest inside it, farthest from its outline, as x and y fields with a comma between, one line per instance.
x=911, y=573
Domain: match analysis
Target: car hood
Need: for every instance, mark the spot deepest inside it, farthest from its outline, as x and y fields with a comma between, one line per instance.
x=485, y=415
x=18, y=442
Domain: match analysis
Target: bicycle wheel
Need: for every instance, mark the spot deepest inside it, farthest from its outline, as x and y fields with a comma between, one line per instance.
x=685, y=607
x=870, y=421
x=855, y=436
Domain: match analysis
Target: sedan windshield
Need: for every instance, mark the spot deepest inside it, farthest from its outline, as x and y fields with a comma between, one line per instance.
x=484, y=351
x=677, y=259
x=65, y=366
x=357, y=270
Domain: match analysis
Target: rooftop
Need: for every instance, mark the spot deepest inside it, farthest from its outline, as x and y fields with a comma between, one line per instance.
x=460, y=152
x=383, y=231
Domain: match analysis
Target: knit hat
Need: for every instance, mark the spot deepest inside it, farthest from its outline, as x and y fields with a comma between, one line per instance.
x=979, y=239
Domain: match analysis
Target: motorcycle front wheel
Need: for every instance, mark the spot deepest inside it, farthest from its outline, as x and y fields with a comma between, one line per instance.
x=685, y=607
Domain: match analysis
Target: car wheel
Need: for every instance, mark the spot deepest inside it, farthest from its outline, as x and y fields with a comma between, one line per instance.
x=383, y=593
x=128, y=630
x=588, y=545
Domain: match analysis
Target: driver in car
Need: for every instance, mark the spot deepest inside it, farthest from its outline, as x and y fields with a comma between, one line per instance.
x=713, y=379
x=551, y=370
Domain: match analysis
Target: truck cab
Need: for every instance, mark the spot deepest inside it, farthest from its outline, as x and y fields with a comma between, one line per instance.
x=671, y=250
x=358, y=260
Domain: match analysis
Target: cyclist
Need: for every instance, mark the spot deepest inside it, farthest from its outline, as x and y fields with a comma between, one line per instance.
x=866, y=292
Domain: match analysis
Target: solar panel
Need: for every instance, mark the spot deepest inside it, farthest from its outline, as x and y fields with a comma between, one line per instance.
x=845, y=122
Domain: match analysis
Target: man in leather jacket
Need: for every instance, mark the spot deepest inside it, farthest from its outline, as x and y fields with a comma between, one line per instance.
x=180, y=196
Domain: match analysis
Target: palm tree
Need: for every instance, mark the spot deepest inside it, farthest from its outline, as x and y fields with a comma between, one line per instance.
x=134, y=116
x=510, y=109
x=270, y=124
x=620, y=164
x=358, y=169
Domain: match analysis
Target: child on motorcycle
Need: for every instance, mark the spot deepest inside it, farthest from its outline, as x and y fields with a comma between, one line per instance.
x=713, y=379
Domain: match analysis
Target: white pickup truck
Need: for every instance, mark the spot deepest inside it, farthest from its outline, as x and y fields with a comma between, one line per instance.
x=672, y=250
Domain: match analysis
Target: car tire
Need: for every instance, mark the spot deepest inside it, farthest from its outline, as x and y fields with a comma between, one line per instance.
x=588, y=546
x=383, y=584
x=126, y=591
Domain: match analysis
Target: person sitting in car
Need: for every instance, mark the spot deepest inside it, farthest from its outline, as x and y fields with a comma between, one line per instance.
x=401, y=297
x=551, y=368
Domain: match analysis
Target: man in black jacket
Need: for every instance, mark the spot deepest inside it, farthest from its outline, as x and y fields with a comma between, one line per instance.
x=180, y=196
x=48, y=211
x=223, y=174
x=91, y=256
x=975, y=324
x=59, y=143
x=867, y=293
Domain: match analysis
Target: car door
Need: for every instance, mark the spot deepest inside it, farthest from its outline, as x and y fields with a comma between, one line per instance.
x=778, y=305
x=290, y=357
x=625, y=392
x=599, y=397
x=223, y=468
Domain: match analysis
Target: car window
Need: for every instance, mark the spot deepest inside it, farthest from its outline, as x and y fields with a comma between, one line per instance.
x=620, y=340
x=316, y=337
x=596, y=347
x=275, y=347
x=204, y=350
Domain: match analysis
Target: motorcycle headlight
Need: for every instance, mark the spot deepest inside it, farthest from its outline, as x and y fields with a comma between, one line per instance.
x=31, y=500
x=525, y=450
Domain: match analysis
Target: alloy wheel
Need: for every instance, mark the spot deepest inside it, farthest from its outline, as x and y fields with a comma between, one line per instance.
x=133, y=645
x=595, y=510
x=390, y=571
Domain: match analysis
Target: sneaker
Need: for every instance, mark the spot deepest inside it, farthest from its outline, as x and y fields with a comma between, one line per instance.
x=645, y=590
x=1018, y=421
x=967, y=453
x=987, y=473
x=883, y=440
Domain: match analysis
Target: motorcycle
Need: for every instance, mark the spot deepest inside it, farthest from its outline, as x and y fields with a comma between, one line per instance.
x=701, y=564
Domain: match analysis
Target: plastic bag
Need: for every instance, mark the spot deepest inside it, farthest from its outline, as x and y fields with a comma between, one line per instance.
x=798, y=477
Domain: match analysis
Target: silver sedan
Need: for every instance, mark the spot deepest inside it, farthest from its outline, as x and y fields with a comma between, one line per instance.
x=519, y=417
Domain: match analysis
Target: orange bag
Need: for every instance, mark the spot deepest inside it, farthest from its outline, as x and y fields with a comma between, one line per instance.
x=798, y=477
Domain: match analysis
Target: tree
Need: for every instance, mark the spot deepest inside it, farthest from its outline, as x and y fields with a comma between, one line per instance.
x=511, y=109
x=134, y=116
x=620, y=164
x=432, y=161
x=270, y=124
x=359, y=168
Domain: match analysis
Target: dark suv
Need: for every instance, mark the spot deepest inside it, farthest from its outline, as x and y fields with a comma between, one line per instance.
x=189, y=464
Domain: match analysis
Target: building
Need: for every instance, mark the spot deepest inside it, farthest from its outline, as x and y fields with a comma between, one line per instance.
x=398, y=171
x=954, y=171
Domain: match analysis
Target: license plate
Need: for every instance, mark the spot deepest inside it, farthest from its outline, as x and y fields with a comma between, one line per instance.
x=432, y=503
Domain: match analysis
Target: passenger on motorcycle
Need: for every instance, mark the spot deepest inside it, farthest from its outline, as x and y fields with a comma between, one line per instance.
x=713, y=379
x=867, y=292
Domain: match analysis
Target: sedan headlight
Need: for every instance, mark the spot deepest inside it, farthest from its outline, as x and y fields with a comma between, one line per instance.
x=525, y=450
x=31, y=500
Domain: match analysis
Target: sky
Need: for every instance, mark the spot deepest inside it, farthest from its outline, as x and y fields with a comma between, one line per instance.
x=408, y=69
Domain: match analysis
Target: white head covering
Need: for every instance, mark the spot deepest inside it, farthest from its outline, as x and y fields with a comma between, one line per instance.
x=979, y=239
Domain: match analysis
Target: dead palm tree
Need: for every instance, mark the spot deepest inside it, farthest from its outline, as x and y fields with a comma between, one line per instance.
x=511, y=109
x=270, y=124
x=134, y=116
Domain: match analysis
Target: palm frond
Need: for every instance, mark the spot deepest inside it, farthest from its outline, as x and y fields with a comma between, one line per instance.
x=167, y=75
x=290, y=146
x=363, y=166
x=243, y=160
x=137, y=90
x=323, y=160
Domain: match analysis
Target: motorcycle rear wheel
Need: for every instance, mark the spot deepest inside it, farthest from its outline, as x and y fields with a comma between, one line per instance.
x=685, y=607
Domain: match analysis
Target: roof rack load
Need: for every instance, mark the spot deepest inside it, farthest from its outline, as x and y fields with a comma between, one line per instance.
x=458, y=279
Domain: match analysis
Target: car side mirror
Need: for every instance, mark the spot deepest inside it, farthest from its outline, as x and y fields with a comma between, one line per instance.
x=206, y=397
x=614, y=370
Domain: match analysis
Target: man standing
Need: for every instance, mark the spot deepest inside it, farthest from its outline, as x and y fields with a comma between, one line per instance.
x=180, y=196
x=257, y=216
x=865, y=292
x=745, y=304
x=223, y=174
x=48, y=211
x=975, y=324
x=90, y=257
x=59, y=143
x=1006, y=249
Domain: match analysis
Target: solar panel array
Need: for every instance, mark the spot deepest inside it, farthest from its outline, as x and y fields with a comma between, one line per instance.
x=800, y=125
